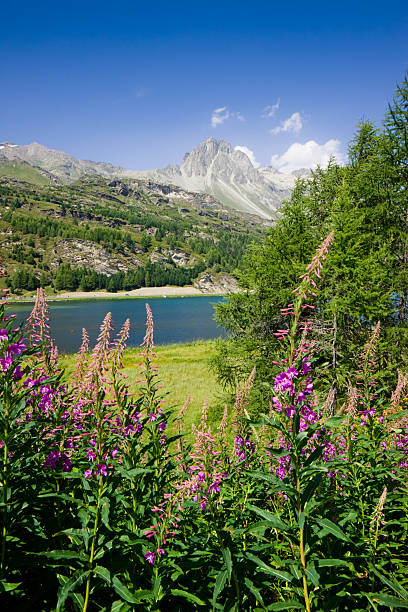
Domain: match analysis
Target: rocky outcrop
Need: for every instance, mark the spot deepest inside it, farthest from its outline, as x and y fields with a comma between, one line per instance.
x=157, y=257
x=216, y=283
x=180, y=258
x=83, y=253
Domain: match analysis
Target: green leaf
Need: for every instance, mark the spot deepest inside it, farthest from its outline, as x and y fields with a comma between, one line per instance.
x=330, y=527
x=269, y=570
x=226, y=553
x=103, y=573
x=105, y=509
x=189, y=596
x=310, y=489
x=62, y=554
x=78, y=599
x=395, y=586
x=272, y=519
x=219, y=584
x=119, y=606
x=334, y=421
x=313, y=575
x=70, y=585
x=333, y=563
x=387, y=600
x=124, y=593
x=8, y=586
x=292, y=604
x=255, y=592
x=301, y=520
x=313, y=456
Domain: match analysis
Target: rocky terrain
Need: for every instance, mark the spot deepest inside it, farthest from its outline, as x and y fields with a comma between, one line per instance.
x=213, y=170
x=214, y=167
x=216, y=283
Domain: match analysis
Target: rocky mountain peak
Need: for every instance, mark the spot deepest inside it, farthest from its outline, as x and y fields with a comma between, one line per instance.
x=214, y=167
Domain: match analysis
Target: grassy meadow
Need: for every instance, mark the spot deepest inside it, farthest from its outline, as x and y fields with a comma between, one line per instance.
x=183, y=370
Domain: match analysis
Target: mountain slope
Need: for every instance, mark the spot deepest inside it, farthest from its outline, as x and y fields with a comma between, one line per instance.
x=117, y=234
x=23, y=171
x=213, y=167
x=64, y=168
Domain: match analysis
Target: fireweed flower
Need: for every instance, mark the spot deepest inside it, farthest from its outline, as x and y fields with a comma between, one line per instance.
x=101, y=469
x=150, y=557
x=5, y=363
x=18, y=373
x=57, y=459
x=16, y=348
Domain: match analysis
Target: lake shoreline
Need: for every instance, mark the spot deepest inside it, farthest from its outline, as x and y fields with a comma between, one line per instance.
x=143, y=292
x=177, y=320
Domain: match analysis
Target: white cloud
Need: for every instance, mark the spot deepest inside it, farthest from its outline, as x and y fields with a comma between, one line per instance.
x=250, y=154
x=293, y=124
x=219, y=115
x=270, y=110
x=141, y=92
x=308, y=155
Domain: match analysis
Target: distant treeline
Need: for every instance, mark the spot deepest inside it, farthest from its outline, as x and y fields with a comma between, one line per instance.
x=71, y=279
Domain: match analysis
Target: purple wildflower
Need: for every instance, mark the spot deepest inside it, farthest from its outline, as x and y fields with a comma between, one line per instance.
x=150, y=557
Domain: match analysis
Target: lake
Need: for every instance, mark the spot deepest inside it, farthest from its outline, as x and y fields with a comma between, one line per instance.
x=176, y=320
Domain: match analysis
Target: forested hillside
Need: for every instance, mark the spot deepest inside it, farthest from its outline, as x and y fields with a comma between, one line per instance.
x=115, y=235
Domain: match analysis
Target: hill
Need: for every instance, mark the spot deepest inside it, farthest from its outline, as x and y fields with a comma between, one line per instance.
x=123, y=234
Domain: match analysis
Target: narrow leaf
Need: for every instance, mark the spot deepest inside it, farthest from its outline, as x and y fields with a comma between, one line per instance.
x=219, y=585
x=330, y=527
x=268, y=569
x=226, y=553
x=124, y=592
x=273, y=520
x=388, y=600
x=189, y=596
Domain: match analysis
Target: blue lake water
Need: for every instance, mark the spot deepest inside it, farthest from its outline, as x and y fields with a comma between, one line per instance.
x=176, y=320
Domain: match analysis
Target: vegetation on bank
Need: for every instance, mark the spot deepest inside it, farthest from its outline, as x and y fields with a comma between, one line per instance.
x=106, y=504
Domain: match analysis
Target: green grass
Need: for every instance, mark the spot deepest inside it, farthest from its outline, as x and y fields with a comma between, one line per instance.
x=23, y=172
x=182, y=371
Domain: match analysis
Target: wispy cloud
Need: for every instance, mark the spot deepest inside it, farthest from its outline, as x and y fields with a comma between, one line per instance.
x=141, y=92
x=270, y=110
x=219, y=115
x=308, y=155
x=293, y=124
x=249, y=153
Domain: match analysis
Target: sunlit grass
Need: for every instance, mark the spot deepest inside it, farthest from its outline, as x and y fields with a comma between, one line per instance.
x=182, y=370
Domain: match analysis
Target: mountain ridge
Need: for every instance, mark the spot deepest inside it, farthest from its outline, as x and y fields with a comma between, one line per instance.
x=213, y=167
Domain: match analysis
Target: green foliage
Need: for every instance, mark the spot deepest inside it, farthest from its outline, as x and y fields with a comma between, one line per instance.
x=365, y=203
x=106, y=505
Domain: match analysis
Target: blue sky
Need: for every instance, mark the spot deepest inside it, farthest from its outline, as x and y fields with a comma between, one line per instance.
x=138, y=85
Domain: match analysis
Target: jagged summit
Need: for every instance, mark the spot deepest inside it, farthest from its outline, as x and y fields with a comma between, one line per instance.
x=216, y=168
x=213, y=167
